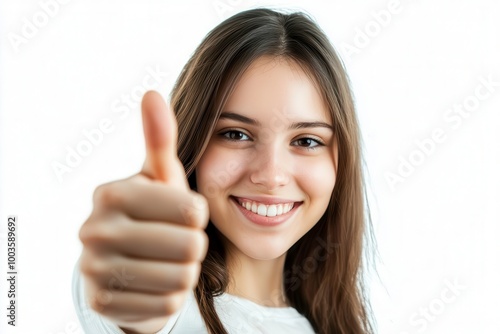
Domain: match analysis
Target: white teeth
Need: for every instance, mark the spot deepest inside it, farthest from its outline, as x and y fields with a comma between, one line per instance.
x=266, y=210
x=262, y=210
x=254, y=207
x=271, y=210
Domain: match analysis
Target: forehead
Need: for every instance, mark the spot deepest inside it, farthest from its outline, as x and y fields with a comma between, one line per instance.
x=276, y=84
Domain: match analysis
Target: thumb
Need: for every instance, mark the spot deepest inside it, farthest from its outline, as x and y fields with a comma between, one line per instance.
x=160, y=134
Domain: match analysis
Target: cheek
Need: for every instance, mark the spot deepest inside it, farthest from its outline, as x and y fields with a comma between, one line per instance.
x=218, y=169
x=317, y=179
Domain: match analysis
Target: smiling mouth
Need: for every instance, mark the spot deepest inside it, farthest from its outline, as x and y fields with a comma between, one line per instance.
x=265, y=210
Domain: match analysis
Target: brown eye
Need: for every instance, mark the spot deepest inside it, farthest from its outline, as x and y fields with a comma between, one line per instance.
x=308, y=143
x=235, y=135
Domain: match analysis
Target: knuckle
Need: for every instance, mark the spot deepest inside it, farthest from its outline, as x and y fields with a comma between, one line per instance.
x=196, y=245
x=100, y=192
x=196, y=210
x=107, y=195
x=199, y=202
x=83, y=233
x=173, y=302
x=90, y=264
x=95, y=304
x=191, y=272
x=185, y=278
x=192, y=246
x=100, y=301
x=182, y=283
x=98, y=233
x=204, y=248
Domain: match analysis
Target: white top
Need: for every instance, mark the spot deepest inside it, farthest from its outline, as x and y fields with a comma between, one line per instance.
x=238, y=315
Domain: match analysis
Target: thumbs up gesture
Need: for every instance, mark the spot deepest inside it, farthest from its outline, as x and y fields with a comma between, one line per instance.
x=149, y=228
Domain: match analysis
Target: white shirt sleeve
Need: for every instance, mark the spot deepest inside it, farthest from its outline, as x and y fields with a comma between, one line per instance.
x=91, y=321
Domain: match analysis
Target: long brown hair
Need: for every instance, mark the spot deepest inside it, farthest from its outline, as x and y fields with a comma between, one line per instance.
x=332, y=294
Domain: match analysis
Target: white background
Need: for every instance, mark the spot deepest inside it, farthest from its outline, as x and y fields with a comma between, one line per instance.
x=438, y=227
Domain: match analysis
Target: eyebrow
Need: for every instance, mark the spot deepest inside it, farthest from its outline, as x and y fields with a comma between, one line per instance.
x=293, y=126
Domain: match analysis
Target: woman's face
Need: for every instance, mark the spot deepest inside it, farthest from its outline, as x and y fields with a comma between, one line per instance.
x=273, y=148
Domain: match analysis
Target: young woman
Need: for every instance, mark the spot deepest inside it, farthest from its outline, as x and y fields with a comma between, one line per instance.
x=249, y=213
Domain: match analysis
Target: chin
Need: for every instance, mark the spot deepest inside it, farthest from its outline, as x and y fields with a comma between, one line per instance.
x=263, y=249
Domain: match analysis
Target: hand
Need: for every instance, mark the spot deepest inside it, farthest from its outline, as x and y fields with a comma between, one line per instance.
x=144, y=241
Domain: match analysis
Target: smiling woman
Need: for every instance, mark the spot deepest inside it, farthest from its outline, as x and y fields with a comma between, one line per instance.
x=268, y=136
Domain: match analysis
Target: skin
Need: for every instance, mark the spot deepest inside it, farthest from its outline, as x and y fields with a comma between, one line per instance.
x=268, y=160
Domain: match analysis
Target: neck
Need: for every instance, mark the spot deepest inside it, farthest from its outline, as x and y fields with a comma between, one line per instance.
x=260, y=281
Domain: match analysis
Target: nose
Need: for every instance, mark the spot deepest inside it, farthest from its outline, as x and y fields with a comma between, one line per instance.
x=269, y=168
